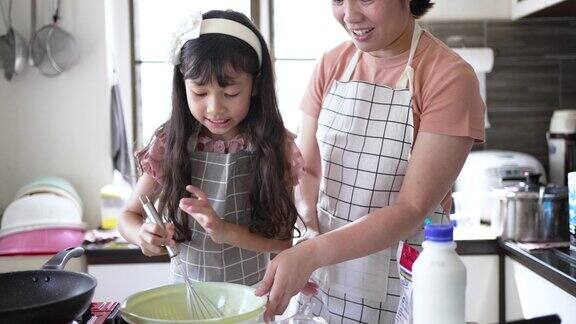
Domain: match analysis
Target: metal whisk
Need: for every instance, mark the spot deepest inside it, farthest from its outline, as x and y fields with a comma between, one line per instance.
x=199, y=305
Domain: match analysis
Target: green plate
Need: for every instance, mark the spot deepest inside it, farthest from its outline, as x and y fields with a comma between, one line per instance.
x=169, y=304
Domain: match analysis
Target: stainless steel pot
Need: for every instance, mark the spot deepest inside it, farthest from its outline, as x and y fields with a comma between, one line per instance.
x=533, y=213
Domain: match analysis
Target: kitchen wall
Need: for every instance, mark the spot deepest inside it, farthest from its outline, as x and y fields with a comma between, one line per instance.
x=534, y=74
x=61, y=126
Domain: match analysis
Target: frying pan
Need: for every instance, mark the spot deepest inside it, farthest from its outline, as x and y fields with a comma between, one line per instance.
x=49, y=295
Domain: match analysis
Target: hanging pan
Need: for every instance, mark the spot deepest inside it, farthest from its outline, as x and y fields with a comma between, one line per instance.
x=53, y=49
x=13, y=48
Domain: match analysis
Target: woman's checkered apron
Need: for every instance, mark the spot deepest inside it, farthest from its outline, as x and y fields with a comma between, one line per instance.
x=365, y=134
x=225, y=178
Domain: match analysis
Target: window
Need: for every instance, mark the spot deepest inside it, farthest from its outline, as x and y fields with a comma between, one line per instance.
x=302, y=31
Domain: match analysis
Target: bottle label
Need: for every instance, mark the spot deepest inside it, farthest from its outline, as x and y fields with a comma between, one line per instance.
x=406, y=255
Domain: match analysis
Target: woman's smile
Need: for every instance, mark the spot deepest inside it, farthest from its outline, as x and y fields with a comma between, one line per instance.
x=360, y=34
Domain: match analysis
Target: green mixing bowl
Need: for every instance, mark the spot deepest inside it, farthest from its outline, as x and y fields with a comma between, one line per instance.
x=169, y=304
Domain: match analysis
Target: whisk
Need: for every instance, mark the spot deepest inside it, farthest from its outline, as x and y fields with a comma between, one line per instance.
x=200, y=306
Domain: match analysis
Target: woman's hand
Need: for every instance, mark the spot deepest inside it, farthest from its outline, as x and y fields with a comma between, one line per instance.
x=199, y=208
x=287, y=274
x=152, y=238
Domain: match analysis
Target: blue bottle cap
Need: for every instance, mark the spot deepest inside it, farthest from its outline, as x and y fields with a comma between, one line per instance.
x=438, y=233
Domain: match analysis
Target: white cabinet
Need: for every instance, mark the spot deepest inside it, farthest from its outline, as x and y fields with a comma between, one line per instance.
x=529, y=295
x=468, y=10
x=481, y=288
x=488, y=9
x=118, y=281
x=523, y=8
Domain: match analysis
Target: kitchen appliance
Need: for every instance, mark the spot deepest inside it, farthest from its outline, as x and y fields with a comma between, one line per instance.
x=562, y=145
x=49, y=295
x=482, y=172
x=533, y=213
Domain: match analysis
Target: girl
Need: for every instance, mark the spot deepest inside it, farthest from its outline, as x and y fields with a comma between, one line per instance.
x=389, y=118
x=222, y=167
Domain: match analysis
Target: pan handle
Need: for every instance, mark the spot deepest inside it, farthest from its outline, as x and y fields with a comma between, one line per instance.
x=58, y=261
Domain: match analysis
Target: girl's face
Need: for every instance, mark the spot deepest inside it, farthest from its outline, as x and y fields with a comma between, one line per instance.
x=376, y=26
x=220, y=109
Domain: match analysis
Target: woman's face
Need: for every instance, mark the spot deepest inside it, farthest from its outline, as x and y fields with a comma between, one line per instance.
x=220, y=109
x=374, y=25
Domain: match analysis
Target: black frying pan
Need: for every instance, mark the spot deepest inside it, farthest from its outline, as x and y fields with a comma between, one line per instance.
x=49, y=295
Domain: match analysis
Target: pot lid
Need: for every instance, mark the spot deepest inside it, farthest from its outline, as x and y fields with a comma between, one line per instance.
x=531, y=188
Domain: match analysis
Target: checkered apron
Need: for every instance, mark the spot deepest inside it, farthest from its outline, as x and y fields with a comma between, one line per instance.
x=225, y=178
x=365, y=134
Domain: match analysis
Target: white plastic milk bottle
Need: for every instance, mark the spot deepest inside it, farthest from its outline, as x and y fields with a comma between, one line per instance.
x=439, y=279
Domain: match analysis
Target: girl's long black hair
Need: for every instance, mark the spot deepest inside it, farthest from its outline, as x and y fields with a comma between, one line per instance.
x=208, y=59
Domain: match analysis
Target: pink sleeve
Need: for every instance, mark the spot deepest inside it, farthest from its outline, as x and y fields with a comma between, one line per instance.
x=312, y=101
x=151, y=159
x=452, y=105
x=296, y=160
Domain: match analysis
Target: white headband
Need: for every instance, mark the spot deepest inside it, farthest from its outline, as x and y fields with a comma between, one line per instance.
x=193, y=26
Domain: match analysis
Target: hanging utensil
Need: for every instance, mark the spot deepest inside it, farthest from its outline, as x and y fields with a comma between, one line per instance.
x=13, y=47
x=53, y=49
x=33, y=6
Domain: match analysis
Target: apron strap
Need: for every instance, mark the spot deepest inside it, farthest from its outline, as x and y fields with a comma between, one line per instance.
x=407, y=78
x=350, y=67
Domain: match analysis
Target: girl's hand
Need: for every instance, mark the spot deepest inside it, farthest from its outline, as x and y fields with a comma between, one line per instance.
x=199, y=208
x=152, y=238
x=286, y=275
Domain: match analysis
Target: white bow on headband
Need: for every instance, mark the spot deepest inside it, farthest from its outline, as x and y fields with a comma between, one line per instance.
x=193, y=26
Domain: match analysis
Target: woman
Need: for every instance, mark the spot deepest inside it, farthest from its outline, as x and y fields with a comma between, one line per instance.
x=389, y=118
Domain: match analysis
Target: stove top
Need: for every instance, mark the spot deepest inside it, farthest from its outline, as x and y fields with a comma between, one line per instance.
x=101, y=313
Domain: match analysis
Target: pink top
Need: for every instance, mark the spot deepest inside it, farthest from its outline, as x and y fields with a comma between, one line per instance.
x=446, y=92
x=151, y=160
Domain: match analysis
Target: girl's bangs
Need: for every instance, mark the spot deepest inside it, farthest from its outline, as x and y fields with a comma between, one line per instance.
x=215, y=60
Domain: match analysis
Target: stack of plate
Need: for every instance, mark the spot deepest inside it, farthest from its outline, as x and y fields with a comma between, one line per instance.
x=45, y=217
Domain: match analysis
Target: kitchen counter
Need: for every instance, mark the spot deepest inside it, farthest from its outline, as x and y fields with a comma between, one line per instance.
x=125, y=253
x=118, y=253
x=556, y=265
x=487, y=255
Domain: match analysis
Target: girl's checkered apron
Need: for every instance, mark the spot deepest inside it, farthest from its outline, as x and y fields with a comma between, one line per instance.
x=225, y=178
x=365, y=134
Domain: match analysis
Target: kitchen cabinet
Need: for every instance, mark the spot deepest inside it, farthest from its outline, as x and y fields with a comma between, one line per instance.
x=118, y=281
x=529, y=295
x=445, y=10
x=523, y=8
x=465, y=10
x=482, y=281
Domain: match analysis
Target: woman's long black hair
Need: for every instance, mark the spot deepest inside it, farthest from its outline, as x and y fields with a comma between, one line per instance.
x=208, y=59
